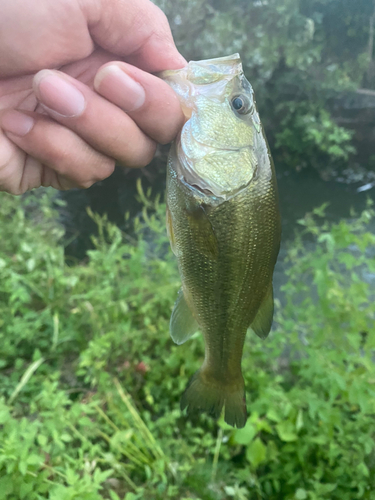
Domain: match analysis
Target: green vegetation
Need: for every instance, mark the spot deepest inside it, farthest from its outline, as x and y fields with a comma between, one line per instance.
x=298, y=54
x=90, y=381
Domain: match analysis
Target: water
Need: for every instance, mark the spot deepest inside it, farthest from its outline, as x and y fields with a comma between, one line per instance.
x=299, y=193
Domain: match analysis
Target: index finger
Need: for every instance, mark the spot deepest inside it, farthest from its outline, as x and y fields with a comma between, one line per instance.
x=138, y=31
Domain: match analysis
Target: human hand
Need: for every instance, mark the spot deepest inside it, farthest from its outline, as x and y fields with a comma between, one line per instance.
x=65, y=127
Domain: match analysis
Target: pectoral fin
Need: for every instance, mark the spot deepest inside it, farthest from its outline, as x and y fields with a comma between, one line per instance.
x=182, y=325
x=203, y=233
x=263, y=320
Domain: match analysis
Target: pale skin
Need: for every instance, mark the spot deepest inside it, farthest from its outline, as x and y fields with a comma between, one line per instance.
x=77, y=93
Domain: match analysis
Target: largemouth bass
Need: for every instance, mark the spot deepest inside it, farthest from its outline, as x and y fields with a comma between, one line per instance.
x=224, y=228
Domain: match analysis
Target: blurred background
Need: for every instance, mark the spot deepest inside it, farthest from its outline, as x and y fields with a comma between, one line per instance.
x=312, y=66
x=90, y=381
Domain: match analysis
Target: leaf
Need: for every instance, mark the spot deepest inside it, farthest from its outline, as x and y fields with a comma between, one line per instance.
x=369, y=445
x=363, y=469
x=301, y=494
x=328, y=239
x=25, y=489
x=101, y=475
x=245, y=435
x=130, y=496
x=230, y=491
x=6, y=487
x=66, y=437
x=320, y=211
x=256, y=452
x=286, y=432
x=34, y=459
x=42, y=440
x=71, y=477
x=299, y=421
x=22, y=467
x=25, y=378
x=4, y=415
x=318, y=439
x=273, y=415
x=326, y=488
x=263, y=425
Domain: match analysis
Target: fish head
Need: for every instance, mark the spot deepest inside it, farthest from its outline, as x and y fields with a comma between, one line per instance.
x=216, y=146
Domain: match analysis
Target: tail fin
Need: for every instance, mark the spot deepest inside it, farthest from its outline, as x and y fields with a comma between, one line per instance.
x=206, y=394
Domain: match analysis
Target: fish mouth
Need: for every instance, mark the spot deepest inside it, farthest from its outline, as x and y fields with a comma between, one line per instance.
x=203, y=74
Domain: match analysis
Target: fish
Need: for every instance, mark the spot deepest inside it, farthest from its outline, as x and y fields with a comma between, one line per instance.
x=224, y=228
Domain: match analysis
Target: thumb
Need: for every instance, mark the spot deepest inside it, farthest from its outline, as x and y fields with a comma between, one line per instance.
x=138, y=31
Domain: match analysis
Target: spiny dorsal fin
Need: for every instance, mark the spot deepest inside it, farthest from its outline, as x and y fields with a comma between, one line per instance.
x=263, y=320
x=182, y=325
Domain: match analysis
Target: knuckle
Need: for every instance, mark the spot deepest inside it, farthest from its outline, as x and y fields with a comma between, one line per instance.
x=100, y=172
x=106, y=169
x=146, y=157
x=166, y=136
x=85, y=184
x=10, y=178
x=14, y=190
x=138, y=157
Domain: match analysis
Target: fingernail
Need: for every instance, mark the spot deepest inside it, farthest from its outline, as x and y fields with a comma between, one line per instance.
x=58, y=95
x=16, y=123
x=118, y=87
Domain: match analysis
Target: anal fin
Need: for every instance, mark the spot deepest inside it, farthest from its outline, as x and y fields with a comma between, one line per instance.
x=263, y=320
x=182, y=324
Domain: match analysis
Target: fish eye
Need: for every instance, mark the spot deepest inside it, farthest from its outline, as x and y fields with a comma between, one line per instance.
x=241, y=104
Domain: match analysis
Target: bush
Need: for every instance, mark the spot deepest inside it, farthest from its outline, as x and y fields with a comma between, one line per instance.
x=90, y=381
x=299, y=56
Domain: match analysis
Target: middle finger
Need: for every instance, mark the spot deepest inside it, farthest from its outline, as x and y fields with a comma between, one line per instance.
x=157, y=110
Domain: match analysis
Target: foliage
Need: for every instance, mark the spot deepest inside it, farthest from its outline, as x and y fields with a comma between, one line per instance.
x=315, y=417
x=90, y=381
x=298, y=55
x=315, y=129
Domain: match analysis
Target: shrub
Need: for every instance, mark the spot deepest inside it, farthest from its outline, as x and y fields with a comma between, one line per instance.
x=90, y=381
